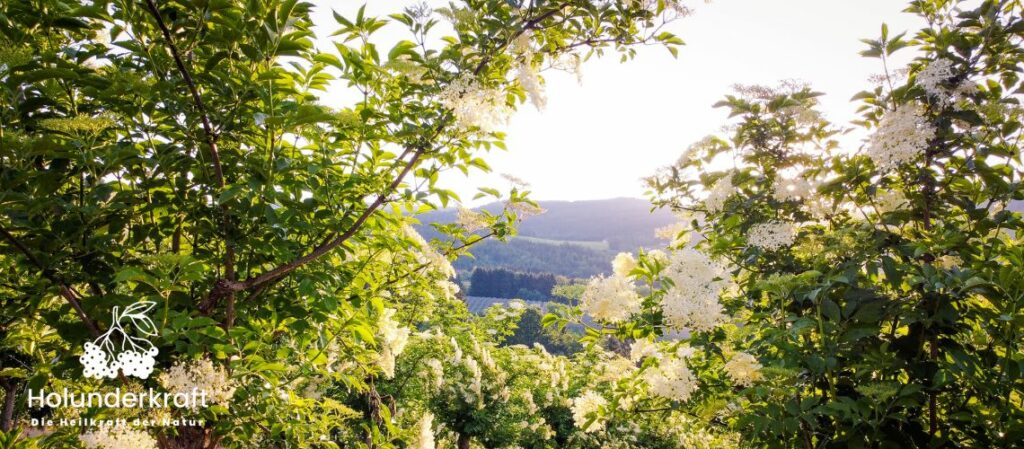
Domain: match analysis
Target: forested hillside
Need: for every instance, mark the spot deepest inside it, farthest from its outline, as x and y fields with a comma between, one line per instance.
x=571, y=238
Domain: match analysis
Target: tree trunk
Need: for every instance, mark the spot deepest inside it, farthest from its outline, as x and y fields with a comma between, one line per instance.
x=190, y=437
x=463, y=441
x=7, y=419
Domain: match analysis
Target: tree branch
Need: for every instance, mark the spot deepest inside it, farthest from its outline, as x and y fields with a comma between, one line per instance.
x=73, y=297
x=211, y=141
x=228, y=287
x=211, y=136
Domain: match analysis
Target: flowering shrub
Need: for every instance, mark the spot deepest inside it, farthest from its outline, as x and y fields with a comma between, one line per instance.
x=836, y=297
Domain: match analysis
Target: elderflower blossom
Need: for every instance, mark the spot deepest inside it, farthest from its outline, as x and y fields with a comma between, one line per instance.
x=436, y=371
x=393, y=339
x=642, y=348
x=675, y=233
x=474, y=105
x=934, y=77
x=771, y=235
x=902, y=136
x=199, y=375
x=692, y=302
x=470, y=220
x=623, y=264
x=428, y=255
x=719, y=194
x=424, y=438
x=526, y=74
x=117, y=437
x=671, y=379
x=743, y=369
x=658, y=256
x=935, y=80
x=587, y=408
x=792, y=189
x=476, y=385
x=610, y=299
x=532, y=84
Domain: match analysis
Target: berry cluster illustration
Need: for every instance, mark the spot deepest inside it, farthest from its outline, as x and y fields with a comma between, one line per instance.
x=116, y=350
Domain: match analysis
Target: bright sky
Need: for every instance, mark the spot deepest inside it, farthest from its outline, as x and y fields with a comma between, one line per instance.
x=596, y=140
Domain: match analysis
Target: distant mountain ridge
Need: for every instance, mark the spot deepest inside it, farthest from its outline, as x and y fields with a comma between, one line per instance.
x=571, y=238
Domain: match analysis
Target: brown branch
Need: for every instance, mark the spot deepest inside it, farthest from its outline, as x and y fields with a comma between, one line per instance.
x=339, y=239
x=223, y=288
x=211, y=136
x=7, y=414
x=211, y=141
x=73, y=297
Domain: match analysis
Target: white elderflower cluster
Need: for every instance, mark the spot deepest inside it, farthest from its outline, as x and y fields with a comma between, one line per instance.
x=532, y=84
x=424, y=438
x=393, y=338
x=426, y=254
x=692, y=301
x=935, y=80
x=659, y=256
x=642, y=348
x=117, y=437
x=902, y=136
x=470, y=220
x=675, y=233
x=671, y=379
x=719, y=193
x=436, y=371
x=474, y=105
x=743, y=369
x=772, y=235
x=476, y=382
x=201, y=375
x=448, y=289
x=587, y=408
x=610, y=299
x=794, y=188
x=623, y=264
x=526, y=74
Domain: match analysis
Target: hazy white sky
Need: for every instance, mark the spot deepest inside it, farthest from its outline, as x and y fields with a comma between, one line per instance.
x=596, y=140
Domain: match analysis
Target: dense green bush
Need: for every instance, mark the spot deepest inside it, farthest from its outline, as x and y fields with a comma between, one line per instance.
x=841, y=298
x=178, y=153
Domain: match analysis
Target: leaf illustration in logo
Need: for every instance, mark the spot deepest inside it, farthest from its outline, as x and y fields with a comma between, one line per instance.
x=144, y=325
x=141, y=307
x=137, y=314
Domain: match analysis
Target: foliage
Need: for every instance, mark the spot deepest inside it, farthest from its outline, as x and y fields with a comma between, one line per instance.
x=500, y=283
x=563, y=259
x=178, y=152
x=529, y=331
x=839, y=298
